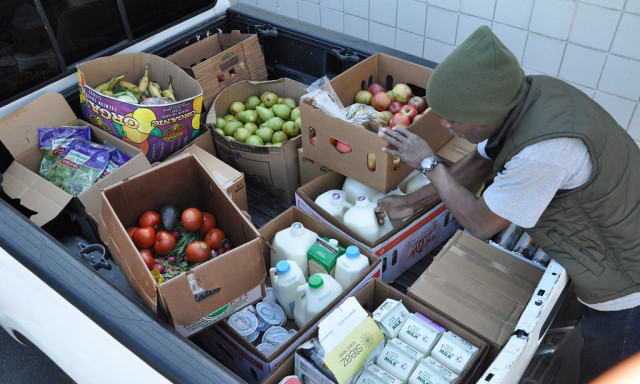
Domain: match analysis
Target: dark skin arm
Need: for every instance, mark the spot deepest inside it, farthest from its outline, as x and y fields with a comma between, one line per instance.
x=451, y=185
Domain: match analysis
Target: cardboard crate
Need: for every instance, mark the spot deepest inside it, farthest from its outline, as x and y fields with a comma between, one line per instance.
x=159, y=130
x=309, y=168
x=398, y=250
x=19, y=134
x=484, y=288
x=185, y=182
x=243, y=357
x=370, y=297
x=273, y=167
x=221, y=60
x=378, y=68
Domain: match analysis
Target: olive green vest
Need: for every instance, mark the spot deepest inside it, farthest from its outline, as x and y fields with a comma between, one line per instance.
x=593, y=231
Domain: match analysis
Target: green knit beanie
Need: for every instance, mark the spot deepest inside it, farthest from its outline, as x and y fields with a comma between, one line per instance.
x=478, y=83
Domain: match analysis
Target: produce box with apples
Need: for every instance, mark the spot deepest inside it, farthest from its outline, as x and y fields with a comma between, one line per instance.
x=181, y=241
x=256, y=128
x=143, y=99
x=381, y=90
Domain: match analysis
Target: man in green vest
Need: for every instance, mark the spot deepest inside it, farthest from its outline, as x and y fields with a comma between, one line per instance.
x=556, y=163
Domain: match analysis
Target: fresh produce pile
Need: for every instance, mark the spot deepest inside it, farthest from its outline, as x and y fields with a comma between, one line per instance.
x=261, y=120
x=171, y=242
x=146, y=92
x=396, y=107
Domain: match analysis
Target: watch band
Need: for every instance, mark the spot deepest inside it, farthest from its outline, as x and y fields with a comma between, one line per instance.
x=432, y=162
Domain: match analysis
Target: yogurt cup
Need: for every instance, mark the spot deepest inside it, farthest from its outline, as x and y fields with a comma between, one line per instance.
x=266, y=348
x=390, y=316
x=245, y=323
x=272, y=314
x=276, y=336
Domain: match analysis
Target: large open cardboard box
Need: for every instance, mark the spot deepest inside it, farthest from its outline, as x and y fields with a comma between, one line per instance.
x=220, y=60
x=185, y=182
x=19, y=134
x=159, y=130
x=486, y=289
x=387, y=71
x=370, y=297
x=398, y=250
x=275, y=168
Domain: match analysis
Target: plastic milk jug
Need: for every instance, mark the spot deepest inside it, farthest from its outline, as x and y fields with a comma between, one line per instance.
x=333, y=202
x=353, y=189
x=350, y=266
x=285, y=279
x=416, y=182
x=361, y=218
x=403, y=184
x=292, y=244
x=314, y=296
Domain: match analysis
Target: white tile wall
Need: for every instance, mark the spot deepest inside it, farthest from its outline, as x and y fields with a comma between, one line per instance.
x=593, y=44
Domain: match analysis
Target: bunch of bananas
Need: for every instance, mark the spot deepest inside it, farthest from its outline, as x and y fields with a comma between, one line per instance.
x=137, y=93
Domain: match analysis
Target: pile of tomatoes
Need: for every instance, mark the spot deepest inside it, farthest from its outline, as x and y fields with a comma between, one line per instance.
x=174, y=247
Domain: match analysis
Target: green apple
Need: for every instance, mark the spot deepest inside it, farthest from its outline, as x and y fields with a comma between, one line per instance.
x=220, y=122
x=252, y=127
x=291, y=128
x=254, y=140
x=236, y=107
x=295, y=113
x=230, y=127
x=279, y=137
x=252, y=102
x=265, y=133
x=241, y=134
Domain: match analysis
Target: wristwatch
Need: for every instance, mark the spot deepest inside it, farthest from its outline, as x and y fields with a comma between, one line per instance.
x=428, y=163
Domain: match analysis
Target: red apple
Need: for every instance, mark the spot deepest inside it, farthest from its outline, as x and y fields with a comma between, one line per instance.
x=402, y=93
x=380, y=101
x=313, y=140
x=375, y=88
x=400, y=119
x=395, y=107
x=419, y=102
x=396, y=162
x=343, y=147
x=409, y=110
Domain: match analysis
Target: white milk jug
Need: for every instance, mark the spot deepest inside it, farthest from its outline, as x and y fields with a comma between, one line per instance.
x=416, y=182
x=333, y=202
x=292, y=244
x=314, y=296
x=350, y=266
x=361, y=219
x=285, y=279
x=403, y=184
x=353, y=189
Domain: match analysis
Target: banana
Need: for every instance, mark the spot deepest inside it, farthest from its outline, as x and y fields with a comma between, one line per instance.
x=107, y=92
x=114, y=81
x=143, y=84
x=129, y=86
x=168, y=93
x=154, y=89
x=144, y=95
x=102, y=87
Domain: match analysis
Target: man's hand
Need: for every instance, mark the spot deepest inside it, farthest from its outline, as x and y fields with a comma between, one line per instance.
x=405, y=144
x=395, y=207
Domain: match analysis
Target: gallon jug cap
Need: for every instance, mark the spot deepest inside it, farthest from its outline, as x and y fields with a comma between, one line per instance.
x=352, y=252
x=297, y=229
x=362, y=200
x=315, y=282
x=334, y=242
x=283, y=267
x=336, y=198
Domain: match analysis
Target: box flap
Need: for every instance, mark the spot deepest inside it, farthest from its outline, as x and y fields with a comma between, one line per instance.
x=479, y=286
x=18, y=130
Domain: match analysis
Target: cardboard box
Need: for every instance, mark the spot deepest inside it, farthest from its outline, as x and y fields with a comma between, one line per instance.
x=243, y=357
x=231, y=180
x=482, y=287
x=370, y=297
x=221, y=60
x=309, y=168
x=378, y=68
x=399, y=249
x=273, y=167
x=19, y=134
x=185, y=182
x=159, y=130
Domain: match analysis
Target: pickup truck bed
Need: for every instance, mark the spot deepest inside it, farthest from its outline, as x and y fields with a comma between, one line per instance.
x=82, y=317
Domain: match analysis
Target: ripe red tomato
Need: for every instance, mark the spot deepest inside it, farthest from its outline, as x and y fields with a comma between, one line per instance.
x=144, y=237
x=150, y=219
x=164, y=243
x=208, y=223
x=130, y=231
x=198, y=252
x=147, y=257
x=192, y=219
x=214, y=238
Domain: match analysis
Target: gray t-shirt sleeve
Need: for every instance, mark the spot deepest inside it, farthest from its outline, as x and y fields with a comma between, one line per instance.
x=523, y=190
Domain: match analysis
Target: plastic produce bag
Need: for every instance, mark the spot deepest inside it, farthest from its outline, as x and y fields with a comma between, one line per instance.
x=324, y=97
